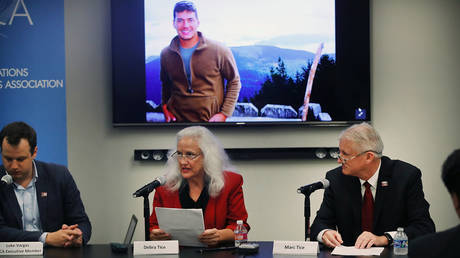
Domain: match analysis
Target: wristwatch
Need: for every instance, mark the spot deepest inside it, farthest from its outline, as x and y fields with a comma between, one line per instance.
x=390, y=239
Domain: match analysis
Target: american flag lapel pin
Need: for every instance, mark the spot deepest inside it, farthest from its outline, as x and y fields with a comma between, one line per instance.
x=384, y=183
x=44, y=194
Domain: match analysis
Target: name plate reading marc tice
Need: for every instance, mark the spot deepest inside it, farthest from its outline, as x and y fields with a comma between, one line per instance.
x=21, y=248
x=156, y=247
x=295, y=247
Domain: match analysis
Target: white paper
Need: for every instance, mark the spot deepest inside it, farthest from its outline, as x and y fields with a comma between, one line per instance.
x=351, y=250
x=184, y=225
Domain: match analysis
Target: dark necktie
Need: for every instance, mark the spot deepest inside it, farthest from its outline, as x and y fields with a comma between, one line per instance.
x=367, y=210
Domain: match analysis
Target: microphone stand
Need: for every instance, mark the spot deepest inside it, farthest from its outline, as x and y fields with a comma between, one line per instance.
x=146, y=216
x=144, y=192
x=307, y=190
x=306, y=212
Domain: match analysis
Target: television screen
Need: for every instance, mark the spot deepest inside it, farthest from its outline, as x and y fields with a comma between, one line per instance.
x=240, y=62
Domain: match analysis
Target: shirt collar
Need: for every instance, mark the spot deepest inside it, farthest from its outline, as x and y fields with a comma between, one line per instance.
x=374, y=178
x=35, y=170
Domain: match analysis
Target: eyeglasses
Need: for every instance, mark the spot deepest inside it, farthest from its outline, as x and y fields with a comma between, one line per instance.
x=187, y=155
x=344, y=160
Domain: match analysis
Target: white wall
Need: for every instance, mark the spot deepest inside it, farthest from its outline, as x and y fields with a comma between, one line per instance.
x=415, y=91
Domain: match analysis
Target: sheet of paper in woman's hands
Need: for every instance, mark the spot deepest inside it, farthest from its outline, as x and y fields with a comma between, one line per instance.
x=184, y=225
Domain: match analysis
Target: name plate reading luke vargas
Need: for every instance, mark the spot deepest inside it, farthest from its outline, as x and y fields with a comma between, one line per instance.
x=156, y=247
x=295, y=247
x=21, y=248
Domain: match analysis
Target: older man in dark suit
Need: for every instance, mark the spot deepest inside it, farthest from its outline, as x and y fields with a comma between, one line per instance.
x=443, y=244
x=42, y=203
x=370, y=195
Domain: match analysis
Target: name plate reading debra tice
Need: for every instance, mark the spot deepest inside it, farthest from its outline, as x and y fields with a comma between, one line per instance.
x=21, y=248
x=156, y=247
x=295, y=247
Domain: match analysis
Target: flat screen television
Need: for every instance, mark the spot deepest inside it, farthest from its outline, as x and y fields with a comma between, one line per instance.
x=282, y=49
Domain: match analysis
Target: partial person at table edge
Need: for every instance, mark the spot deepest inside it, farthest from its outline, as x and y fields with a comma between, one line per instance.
x=43, y=202
x=199, y=175
x=443, y=244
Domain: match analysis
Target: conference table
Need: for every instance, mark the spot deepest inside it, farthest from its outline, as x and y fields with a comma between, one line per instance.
x=104, y=250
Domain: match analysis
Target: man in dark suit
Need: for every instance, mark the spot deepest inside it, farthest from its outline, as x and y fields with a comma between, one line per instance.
x=370, y=195
x=443, y=244
x=42, y=203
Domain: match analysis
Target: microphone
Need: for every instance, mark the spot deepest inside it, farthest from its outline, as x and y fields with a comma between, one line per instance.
x=308, y=189
x=6, y=180
x=148, y=188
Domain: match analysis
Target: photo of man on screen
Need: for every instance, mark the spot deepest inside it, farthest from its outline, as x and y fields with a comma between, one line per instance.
x=199, y=77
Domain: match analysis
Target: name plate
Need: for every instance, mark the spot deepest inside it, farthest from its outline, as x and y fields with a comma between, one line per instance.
x=295, y=247
x=21, y=248
x=156, y=247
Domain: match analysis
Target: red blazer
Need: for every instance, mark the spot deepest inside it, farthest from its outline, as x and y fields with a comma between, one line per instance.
x=221, y=212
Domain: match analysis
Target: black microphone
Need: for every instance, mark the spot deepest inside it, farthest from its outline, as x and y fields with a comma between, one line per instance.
x=148, y=188
x=324, y=183
x=6, y=180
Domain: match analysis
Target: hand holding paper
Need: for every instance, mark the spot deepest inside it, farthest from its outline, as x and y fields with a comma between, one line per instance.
x=159, y=234
x=185, y=225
